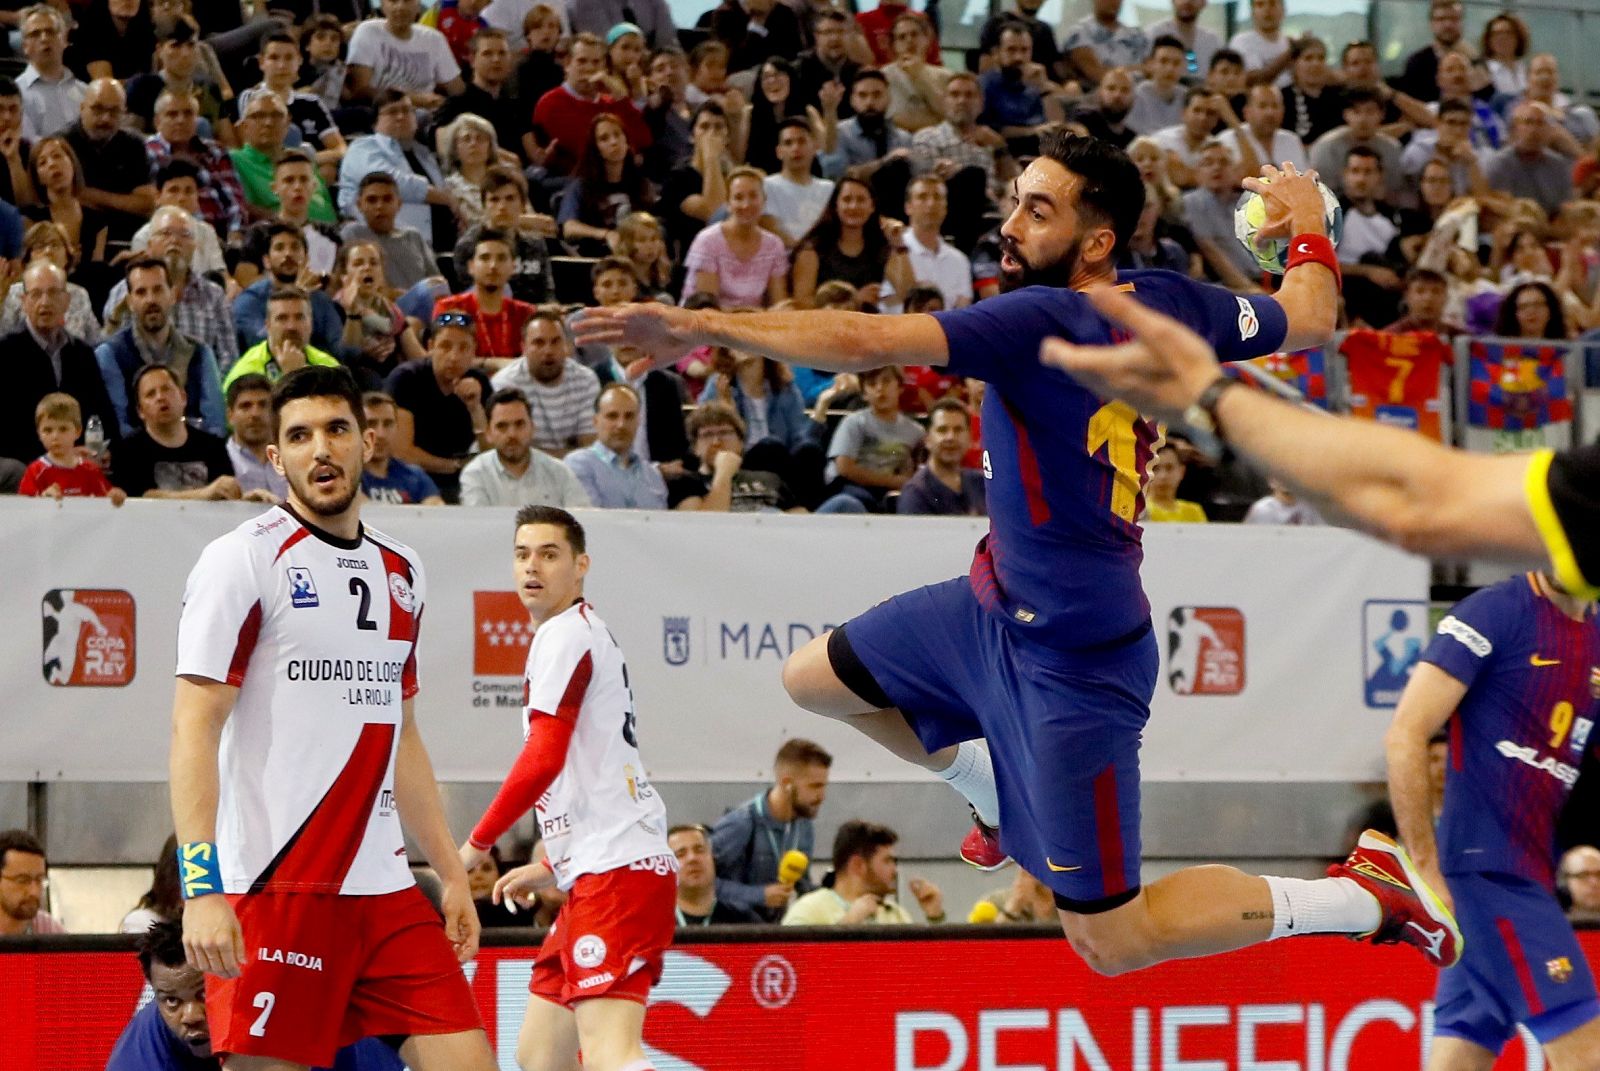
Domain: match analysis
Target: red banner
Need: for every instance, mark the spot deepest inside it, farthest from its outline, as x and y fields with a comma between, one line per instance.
x=1010, y=1004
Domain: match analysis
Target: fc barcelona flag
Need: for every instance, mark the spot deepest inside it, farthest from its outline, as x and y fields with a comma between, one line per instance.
x=1517, y=387
x=1394, y=378
x=1304, y=370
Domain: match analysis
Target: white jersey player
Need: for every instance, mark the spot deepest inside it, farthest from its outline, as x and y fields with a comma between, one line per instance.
x=295, y=760
x=603, y=824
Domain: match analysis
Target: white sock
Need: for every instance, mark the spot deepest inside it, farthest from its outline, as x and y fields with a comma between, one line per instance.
x=1325, y=905
x=972, y=775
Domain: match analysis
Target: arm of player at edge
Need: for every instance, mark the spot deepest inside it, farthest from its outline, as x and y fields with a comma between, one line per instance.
x=212, y=939
x=1430, y=697
x=416, y=797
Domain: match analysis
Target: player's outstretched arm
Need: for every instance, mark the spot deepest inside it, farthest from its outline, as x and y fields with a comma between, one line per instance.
x=1430, y=697
x=820, y=338
x=416, y=797
x=212, y=939
x=1310, y=293
x=1397, y=485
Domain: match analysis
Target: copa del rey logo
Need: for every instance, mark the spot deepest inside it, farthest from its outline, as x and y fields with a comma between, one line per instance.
x=1205, y=650
x=89, y=637
x=500, y=635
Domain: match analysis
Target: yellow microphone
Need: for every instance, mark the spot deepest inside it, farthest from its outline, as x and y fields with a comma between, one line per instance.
x=983, y=912
x=792, y=867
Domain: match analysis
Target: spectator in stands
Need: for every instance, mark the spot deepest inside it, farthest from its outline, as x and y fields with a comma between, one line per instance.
x=1161, y=501
x=1579, y=120
x=1108, y=114
x=286, y=346
x=177, y=70
x=750, y=841
x=505, y=206
x=762, y=391
x=1099, y=42
x=1185, y=143
x=324, y=72
x=642, y=242
x=1226, y=78
x=250, y=418
x=941, y=486
x=163, y=901
x=698, y=901
x=1504, y=48
x=298, y=192
x=511, y=472
x=62, y=471
x=1532, y=310
x=460, y=21
x=878, y=27
x=694, y=193
x=708, y=74
x=867, y=142
x=468, y=148
x=1199, y=44
x=850, y=241
x=221, y=198
x=200, y=307
x=500, y=318
x=961, y=151
x=829, y=62
x=395, y=53
x=1422, y=66
x=1208, y=210
x=1261, y=138
x=167, y=458
x=1451, y=141
x=608, y=184
x=51, y=94
x=1016, y=92
x=117, y=176
x=721, y=483
x=43, y=357
x=1363, y=121
x=433, y=426
x=566, y=114
x=1158, y=100
x=870, y=452
x=653, y=17
x=612, y=283
x=490, y=96
x=668, y=112
x=561, y=390
x=916, y=87
x=426, y=203
x=386, y=478
x=15, y=186
x=755, y=126
x=264, y=124
x=481, y=881
x=1359, y=69
x=612, y=472
x=1282, y=506
x=1528, y=166
x=1368, y=252
x=625, y=51
x=1025, y=900
x=754, y=30
x=311, y=122
x=933, y=260
x=1151, y=245
x=736, y=260
x=1026, y=14
x=1428, y=232
x=57, y=177
x=1426, y=292
x=285, y=262
x=1264, y=47
x=177, y=184
x=377, y=337
x=24, y=879
x=1311, y=105
x=112, y=40
x=152, y=338
x=1455, y=83
x=536, y=40
x=407, y=254
x=865, y=874
x=1579, y=876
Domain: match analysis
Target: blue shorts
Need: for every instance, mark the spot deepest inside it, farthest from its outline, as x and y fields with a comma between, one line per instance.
x=1521, y=964
x=1063, y=728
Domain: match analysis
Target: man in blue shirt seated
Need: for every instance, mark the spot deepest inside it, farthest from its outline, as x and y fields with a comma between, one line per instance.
x=610, y=469
x=941, y=485
x=386, y=478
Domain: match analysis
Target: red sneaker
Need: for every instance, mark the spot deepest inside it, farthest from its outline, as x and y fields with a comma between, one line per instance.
x=1412, y=914
x=981, y=848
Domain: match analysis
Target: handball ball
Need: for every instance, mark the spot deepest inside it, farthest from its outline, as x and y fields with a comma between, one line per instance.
x=1273, y=253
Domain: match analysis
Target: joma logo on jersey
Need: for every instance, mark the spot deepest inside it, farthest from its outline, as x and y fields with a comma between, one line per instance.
x=1567, y=775
x=1205, y=650
x=302, y=590
x=88, y=637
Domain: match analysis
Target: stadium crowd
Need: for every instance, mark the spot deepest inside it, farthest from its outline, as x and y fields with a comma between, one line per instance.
x=195, y=203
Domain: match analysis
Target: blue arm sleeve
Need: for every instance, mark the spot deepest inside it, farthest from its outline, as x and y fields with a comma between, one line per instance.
x=116, y=385
x=1465, y=642
x=1238, y=326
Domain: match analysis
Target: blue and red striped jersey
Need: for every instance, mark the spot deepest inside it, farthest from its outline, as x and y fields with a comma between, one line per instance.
x=1518, y=738
x=1065, y=469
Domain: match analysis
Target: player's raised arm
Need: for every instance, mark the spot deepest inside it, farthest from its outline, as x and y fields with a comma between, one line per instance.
x=1310, y=291
x=211, y=935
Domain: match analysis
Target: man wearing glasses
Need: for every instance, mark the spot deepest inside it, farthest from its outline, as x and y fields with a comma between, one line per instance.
x=117, y=175
x=23, y=880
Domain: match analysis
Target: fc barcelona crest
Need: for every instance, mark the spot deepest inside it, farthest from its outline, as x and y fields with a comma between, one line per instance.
x=675, y=640
x=1560, y=970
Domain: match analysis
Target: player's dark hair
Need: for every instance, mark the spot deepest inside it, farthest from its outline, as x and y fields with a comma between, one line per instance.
x=559, y=518
x=802, y=752
x=162, y=943
x=856, y=837
x=253, y=381
x=1111, y=193
x=19, y=840
x=318, y=381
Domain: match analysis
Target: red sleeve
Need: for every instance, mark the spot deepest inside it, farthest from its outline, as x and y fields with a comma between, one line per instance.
x=543, y=755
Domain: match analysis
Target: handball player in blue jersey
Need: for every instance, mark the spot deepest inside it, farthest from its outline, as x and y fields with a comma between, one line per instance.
x=1045, y=652
x=1514, y=672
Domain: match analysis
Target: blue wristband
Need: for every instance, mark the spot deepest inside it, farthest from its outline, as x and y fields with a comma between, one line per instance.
x=199, y=873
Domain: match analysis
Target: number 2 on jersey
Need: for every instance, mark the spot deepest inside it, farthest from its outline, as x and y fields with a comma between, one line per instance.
x=1112, y=427
x=265, y=1001
x=359, y=588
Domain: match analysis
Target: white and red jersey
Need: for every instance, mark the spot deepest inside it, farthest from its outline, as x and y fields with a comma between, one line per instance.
x=319, y=634
x=601, y=813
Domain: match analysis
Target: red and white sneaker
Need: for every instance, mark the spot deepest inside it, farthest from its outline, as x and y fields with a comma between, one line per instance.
x=1411, y=913
x=981, y=848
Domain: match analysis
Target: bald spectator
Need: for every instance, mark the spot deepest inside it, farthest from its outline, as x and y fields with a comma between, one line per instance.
x=1528, y=166
x=610, y=469
x=394, y=52
x=1544, y=86
x=1114, y=113
x=117, y=175
x=511, y=472
x=221, y=198
x=751, y=840
x=24, y=880
x=866, y=873
x=51, y=94
x=1422, y=66
x=698, y=902
x=1261, y=138
x=1580, y=876
x=263, y=125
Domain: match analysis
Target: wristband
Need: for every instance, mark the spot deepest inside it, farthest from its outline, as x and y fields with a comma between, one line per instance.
x=1314, y=249
x=1201, y=419
x=199, y=873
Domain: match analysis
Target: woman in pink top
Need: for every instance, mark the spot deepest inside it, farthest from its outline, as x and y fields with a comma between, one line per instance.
x=736, y=260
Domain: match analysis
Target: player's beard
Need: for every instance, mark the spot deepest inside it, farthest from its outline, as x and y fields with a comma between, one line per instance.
x=1058, y=274
x=305, y=492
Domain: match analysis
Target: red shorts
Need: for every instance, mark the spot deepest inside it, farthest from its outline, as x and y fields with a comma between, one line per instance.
x=322, y=971
x=611, y=933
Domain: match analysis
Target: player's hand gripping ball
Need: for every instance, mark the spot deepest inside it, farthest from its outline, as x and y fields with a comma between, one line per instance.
x=1250, y=215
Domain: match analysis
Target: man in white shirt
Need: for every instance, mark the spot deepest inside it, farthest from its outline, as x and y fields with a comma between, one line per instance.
x=796, y=197
x=934, y=260
x=51, y=94
x=513, y=473
x=561, y=389
x=250, y=416
x=394, y=52
x=1261, y=139
x=1265, y=47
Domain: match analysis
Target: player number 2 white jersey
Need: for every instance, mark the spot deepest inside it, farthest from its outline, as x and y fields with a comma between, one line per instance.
x=319, y=635
x=601, y=813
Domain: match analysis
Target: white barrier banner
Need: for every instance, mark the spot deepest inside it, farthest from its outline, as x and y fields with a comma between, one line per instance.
x=1283, y=650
